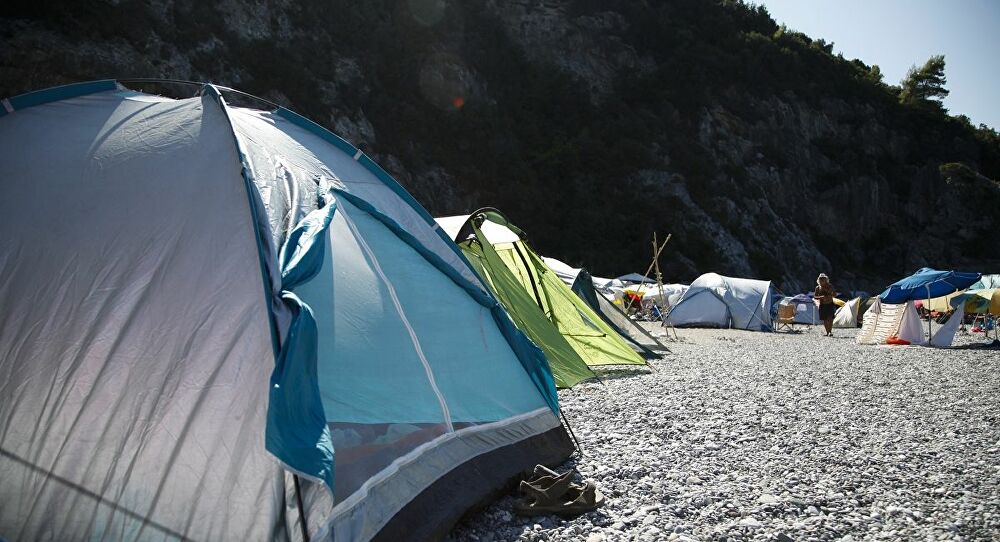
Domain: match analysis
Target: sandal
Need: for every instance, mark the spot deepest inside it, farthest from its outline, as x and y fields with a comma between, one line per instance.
x=587, y=498
x=578, y=499
x=546, y=489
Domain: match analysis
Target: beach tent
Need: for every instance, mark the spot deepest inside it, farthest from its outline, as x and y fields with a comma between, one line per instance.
x=928, y=283
x=806, y=308
x=638, y=338
x=584, y=286
x=223, y=323
x=591, y=337
x=569, y=274
x=941, y=303
x=713, y=300
x=847, y=315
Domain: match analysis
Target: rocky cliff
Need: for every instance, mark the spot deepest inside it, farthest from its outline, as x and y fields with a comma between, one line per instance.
x=592, y=124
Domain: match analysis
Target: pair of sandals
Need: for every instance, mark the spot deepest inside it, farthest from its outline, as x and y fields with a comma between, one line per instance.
x=549, y=492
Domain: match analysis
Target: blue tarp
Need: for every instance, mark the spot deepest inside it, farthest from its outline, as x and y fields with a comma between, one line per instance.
x=927, y=283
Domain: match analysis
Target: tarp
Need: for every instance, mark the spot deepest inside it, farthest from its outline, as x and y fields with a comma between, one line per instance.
x=713, y=300
x=196, y=295
x=592, y=338
x=946, y=333
x=927, y=283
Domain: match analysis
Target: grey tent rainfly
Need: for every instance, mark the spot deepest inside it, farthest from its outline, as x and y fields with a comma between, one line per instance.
x=227, y=323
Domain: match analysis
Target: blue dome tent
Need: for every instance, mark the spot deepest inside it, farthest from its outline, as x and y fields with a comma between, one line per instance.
x=227, y=323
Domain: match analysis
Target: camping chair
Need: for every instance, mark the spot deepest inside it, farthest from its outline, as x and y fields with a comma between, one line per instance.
x=786, y=317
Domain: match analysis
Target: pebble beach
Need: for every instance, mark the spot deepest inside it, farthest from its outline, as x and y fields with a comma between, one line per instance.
x=738, y=435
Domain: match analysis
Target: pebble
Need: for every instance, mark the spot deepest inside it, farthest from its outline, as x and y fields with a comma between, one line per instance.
x=762, y=436
x=767, y=498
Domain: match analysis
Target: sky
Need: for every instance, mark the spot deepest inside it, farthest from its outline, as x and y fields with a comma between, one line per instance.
x=896, y=34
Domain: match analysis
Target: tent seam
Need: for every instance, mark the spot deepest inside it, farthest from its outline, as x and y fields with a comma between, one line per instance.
x=248, y=184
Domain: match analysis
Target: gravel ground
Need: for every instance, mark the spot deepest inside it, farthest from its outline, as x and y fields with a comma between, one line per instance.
x=765, y=436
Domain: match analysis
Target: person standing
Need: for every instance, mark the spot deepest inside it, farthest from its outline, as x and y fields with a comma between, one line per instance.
x=824, y=294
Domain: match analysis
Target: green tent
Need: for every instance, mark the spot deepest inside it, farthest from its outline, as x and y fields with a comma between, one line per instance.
x=589, y=336
x=568, y=368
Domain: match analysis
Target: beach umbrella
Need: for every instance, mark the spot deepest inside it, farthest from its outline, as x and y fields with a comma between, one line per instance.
x=927, y=283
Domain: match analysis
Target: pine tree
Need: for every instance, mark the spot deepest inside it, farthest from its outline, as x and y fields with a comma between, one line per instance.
x=924, y=86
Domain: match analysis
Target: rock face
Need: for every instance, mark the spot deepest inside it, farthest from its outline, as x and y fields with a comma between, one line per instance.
x=590, y=124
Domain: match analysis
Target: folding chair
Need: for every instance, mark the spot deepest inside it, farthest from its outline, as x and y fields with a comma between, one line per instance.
x=786, y=317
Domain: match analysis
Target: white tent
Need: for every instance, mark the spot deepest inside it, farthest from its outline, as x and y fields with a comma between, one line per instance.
x=847, y=315
x=717, y=301
x=222, y=323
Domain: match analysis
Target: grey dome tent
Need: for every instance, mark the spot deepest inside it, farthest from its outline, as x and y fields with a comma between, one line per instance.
x=225, y=323
x=714, y=300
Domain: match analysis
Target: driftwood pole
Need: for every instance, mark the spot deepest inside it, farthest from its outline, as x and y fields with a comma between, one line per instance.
x=656, y=255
